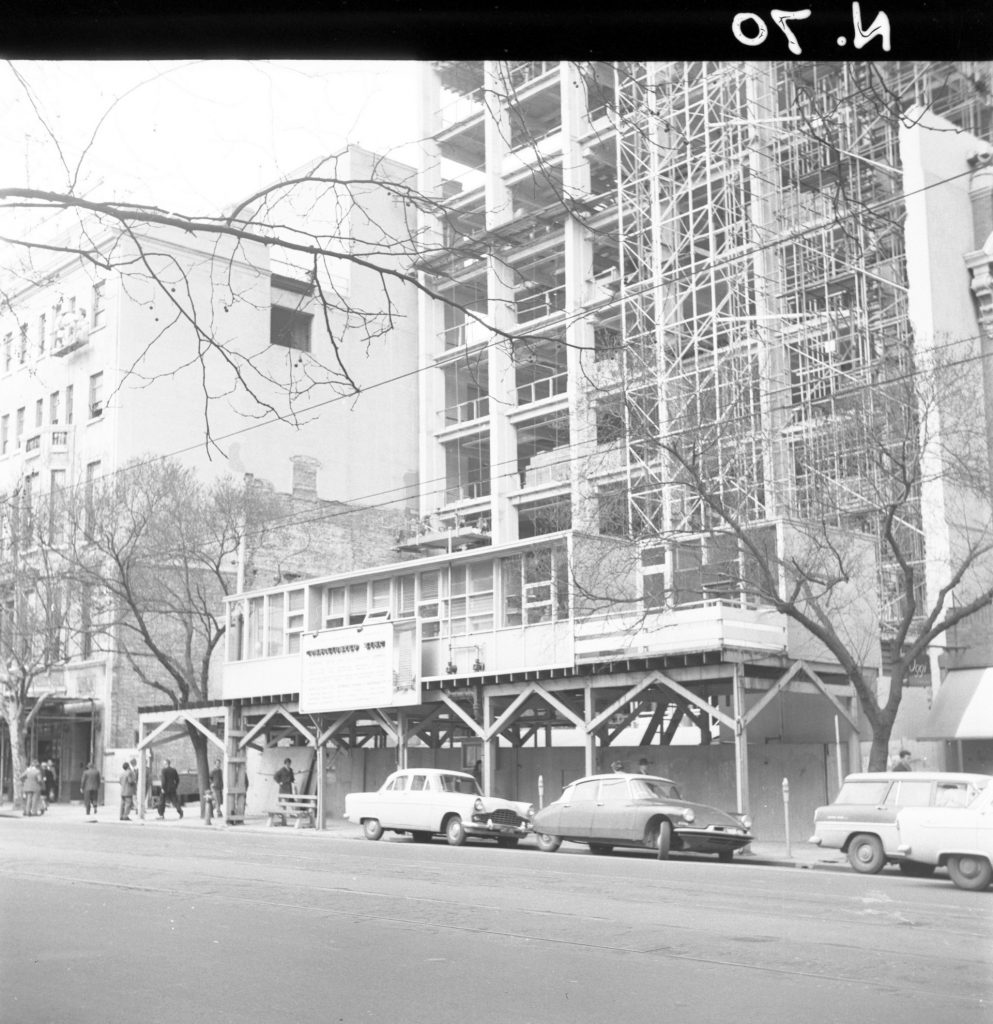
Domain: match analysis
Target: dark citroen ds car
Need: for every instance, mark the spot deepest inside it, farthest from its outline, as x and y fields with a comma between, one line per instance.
x=640, y=811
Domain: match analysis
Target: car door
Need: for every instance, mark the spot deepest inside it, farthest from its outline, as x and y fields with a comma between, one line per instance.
x=579, y=804
x=416, y=804
x=908, y=792
x=386, y=805
x=613, y=815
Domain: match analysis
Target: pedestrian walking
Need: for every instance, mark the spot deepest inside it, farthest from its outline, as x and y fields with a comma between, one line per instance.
x=217, y=788
x=285, y=778
x=89, y=785
x=169, y=789
x=129, y=785
x=51, y=782
x=31, y=783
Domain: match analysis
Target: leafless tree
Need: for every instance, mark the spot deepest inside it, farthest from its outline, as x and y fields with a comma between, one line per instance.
x=37, y=624
x=156, y=553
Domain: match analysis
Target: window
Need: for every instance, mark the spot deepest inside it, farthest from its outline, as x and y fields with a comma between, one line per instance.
x=294, y=620
x=39, y=412
x=405, y=597
x=19, y=427
x=69, y=404
x=22, y=346
x=862, y=793
x=290, y=328
x=96, y=395
x=92, y=473
x=614, y=791
x=42, y=328
x=4, y=433
x=430, y=607
x=913, y=793
x=357, y=603
x=256, y=612
x=8, y=350
x=56, y=524
x=97, y=300
x=275, y=631
x=53, y=408
x=86, y=621
x=334, y=607
x=418, y=782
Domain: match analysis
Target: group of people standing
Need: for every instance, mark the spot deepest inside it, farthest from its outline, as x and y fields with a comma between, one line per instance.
x=38, y=785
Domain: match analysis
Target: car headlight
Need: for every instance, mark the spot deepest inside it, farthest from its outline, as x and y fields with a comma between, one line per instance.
x=529, y=813
x=688, y=815
x=478, y=807
x=746, y=821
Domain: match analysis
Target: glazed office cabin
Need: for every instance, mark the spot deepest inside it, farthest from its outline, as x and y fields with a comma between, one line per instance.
x=537, y=659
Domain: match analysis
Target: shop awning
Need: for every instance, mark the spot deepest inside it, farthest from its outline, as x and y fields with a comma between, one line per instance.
x=963, y=709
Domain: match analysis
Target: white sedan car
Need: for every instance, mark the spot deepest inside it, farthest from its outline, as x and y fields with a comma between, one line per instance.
x=432, y=801
x=959, y=838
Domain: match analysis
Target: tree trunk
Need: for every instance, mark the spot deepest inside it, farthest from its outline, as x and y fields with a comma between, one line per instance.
x=14, y=713
x=202, y=754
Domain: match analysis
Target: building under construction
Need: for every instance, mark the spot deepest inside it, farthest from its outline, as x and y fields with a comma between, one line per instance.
x=662, y=289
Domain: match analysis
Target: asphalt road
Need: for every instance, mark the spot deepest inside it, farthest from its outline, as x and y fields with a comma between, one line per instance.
x=100, y=922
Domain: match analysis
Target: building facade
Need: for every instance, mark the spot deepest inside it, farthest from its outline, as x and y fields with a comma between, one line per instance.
x=221, y=353
x=630, y=254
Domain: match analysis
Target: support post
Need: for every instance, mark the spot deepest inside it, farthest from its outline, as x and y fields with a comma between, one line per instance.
x=490, y=745
x=740, y=740
x=319, y=818
x=589, y=738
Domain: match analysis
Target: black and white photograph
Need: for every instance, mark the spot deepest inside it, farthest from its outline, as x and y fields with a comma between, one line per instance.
x=497, y=540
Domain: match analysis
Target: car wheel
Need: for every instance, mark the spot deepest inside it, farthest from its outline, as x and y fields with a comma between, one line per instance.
x=970, y=872
x=601, y=848
x=725, y=855
x=455, y=831
x=663, y=841
x=372, y=829
x=865, y=854
x=507, y=842
x=547, y=843
x=915, y=869
x=421, y=837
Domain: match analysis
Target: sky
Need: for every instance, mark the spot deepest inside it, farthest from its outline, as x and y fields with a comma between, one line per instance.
x=193, y=136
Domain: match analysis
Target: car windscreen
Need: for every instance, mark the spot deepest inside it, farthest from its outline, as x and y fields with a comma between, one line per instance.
x=653, y=789
x=458, y=784
x=868, y=792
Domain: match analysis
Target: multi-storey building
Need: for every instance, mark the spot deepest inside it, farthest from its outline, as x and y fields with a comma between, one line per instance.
x=216, y=351
x=630, y=253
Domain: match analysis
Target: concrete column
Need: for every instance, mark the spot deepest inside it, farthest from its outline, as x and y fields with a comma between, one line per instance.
x=578, y=286
x=502, y=314
x=430, y=381
x=740, y=740
x=490, y=747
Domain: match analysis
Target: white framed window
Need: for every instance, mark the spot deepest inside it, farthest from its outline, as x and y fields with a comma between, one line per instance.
x=295, y=620
x=334, y=607
x=96, y=395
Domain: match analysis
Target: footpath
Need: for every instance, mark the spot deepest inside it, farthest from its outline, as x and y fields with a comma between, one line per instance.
x=798, y=854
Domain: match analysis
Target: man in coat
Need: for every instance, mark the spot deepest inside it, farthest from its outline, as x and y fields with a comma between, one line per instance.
x=89, y=785
x=31, y=783
x=169, y=789
x=129, y=785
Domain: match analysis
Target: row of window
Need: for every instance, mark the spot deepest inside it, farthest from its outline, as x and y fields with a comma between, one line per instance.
x=24, y=525
x=520, y=589
x=57, y=327
x=60, y=412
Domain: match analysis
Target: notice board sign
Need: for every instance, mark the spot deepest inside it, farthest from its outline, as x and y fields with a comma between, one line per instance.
x=351, y=668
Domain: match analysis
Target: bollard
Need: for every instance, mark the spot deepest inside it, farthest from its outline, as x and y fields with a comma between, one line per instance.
x=541, y=791
x=786, y=813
